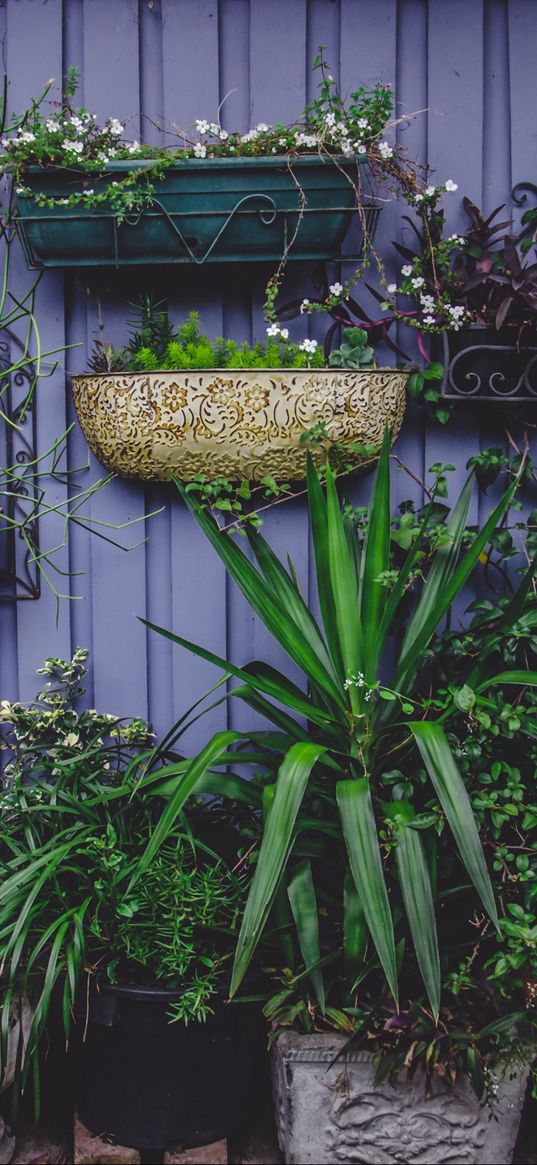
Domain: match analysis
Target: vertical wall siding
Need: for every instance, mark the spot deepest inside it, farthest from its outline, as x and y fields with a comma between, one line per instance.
x=468, y=67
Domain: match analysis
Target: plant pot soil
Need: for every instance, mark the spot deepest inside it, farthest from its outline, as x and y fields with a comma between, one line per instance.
x=149, y=1083
x=238, y=424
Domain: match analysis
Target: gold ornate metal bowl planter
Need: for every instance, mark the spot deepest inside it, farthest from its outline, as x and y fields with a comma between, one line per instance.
x=237, y=424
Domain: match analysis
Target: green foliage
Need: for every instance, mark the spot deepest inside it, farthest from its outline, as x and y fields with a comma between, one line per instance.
x=155, y=345
x=381, y=807
x=355, y=352
x=83, y=817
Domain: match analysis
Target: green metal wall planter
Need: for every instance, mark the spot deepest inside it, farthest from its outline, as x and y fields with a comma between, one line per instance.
x=204, y=210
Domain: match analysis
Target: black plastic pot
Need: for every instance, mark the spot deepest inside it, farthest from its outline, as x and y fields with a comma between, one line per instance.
x=148, y=1083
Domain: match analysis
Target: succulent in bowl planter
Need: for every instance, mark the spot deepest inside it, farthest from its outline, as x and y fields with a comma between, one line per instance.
x=373, y=875
x=126, y=917
x=175, y=403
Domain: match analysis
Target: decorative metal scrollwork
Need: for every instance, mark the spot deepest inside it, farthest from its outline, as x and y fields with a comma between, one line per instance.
x=481, y=369
x=19, y=575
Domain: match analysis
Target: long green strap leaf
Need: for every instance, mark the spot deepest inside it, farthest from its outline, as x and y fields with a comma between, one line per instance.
x=515, y=676
x=447, y=580
x=361, y=840
x=262, y=600
x=291, y=601
x=259, y=676
x=419, y=906
x=376, y=560
x=185, y=786
x=319, y=535
x=344, y=583
x=355, y=932
x=451, y=792
x=291, y=785
x=301, y=891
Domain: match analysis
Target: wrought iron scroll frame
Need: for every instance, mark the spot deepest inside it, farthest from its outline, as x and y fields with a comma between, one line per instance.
x=19, y=574
x=522, y=391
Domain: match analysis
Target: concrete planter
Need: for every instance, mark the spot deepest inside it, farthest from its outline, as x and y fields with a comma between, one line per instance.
x=329, y=1112
x=234, y=423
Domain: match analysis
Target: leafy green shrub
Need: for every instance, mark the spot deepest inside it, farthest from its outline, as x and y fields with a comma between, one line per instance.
x=156, y=346
x=79, y=809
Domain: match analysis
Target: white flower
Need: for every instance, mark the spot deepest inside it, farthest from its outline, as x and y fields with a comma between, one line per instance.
x=450, y=185
x=273, y=330
x=308, y=345
x=306, y=139
x=282, y=141
x=202, y=126
x=200, y=151
x=284, y=333
x=133, y=148
x=362, y=123
x=262, y=127
x=347, y=147
x=73, y=147
x=418, y=281
x=250, y=136
x=223, y=135
x=52, y=126
x=361, y=149
x=115, y=127
x=214, y=129
x=336, y=289
x=429, y=319
x=418, y=198
x=304, y=305
x=385, y=150
x=427, y=301
x=430, y=191
x=406, y=270
x=392, y=288
x=330, y=120
x=26, y=136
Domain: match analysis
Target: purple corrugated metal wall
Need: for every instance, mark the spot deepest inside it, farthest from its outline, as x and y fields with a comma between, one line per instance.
x=467, y=64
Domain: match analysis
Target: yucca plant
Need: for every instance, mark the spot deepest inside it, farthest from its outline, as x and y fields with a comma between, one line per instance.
x=342, y=821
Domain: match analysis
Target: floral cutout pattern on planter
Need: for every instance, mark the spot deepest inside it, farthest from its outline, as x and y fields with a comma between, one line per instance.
x=245, y=424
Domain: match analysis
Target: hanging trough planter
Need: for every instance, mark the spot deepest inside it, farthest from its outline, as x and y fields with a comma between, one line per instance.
x=245, y=209
x=237, y=424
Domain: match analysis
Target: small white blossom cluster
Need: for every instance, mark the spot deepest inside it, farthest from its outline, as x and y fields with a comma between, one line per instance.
x=275, y=330
x=212, y=128
x=336, y=289
x=309, y=346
